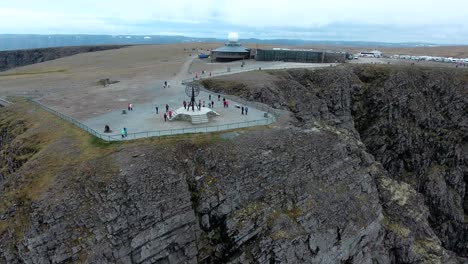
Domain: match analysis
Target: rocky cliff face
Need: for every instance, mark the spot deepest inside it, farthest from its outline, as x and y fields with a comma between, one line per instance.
x=415, y=123
x=18, y=58
x=341, y=178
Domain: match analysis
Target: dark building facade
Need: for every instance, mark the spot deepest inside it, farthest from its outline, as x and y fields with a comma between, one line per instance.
x=310, y=56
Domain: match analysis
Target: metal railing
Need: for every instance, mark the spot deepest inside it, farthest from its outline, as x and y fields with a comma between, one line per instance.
x=4, y=102
x=169, y=132
x=243, y=69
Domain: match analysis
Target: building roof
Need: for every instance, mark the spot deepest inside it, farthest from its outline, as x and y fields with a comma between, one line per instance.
x=231, y=47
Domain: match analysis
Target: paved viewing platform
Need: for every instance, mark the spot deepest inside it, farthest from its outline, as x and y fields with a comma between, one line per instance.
x=143, y=117
x=145, y=121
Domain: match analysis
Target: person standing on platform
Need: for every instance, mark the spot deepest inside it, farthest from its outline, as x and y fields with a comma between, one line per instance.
x=246, y=110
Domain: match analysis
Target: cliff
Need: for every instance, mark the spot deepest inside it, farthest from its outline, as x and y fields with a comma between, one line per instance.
x=17, y=58
x=366, y=164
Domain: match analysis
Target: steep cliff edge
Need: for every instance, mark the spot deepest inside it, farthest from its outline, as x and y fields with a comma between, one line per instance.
x=312, y=188
x=17, y=58
x=413, y=120
x=415, y=123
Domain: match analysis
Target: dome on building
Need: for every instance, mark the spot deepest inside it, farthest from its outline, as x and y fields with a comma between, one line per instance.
x=231, y=51
x=233, y=37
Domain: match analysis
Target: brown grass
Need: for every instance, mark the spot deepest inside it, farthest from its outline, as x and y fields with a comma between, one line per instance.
x=61, y=146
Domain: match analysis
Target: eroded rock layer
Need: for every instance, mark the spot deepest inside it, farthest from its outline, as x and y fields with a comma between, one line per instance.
x=366, y=164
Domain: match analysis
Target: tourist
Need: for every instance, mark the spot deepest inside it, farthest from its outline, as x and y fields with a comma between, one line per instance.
x=122, y=132
x=224, y=99
x=227, y=104
x=209, y=104
x=242, y=108
x=157, y=110
x=128, y=106
x=209, y=97
x=212, y=104
x=170, y=114
x=131, y=107
x=219, y=96
x=246, y=109
x=167, y=108
x=199, y=106
x=125, y=131
x=185, y=104
x=107, y=129
x=165, y=117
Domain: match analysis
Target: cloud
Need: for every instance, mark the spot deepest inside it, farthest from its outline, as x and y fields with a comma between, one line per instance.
x=281, y=18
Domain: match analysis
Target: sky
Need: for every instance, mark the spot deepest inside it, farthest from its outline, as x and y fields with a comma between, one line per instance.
x=430, y=21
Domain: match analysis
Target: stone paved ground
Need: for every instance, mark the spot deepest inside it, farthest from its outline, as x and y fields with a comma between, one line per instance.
x=144, y=118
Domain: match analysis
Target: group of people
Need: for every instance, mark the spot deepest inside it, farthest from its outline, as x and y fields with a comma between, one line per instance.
x=168, y=114
x=245, y=109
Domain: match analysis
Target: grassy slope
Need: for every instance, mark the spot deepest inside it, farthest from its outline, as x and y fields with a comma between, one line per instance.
x=58, y=147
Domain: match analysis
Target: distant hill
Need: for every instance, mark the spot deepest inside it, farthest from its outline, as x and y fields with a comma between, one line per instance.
x=17, y=42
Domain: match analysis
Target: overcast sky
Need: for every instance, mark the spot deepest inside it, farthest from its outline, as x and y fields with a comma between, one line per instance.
x=434, y=21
